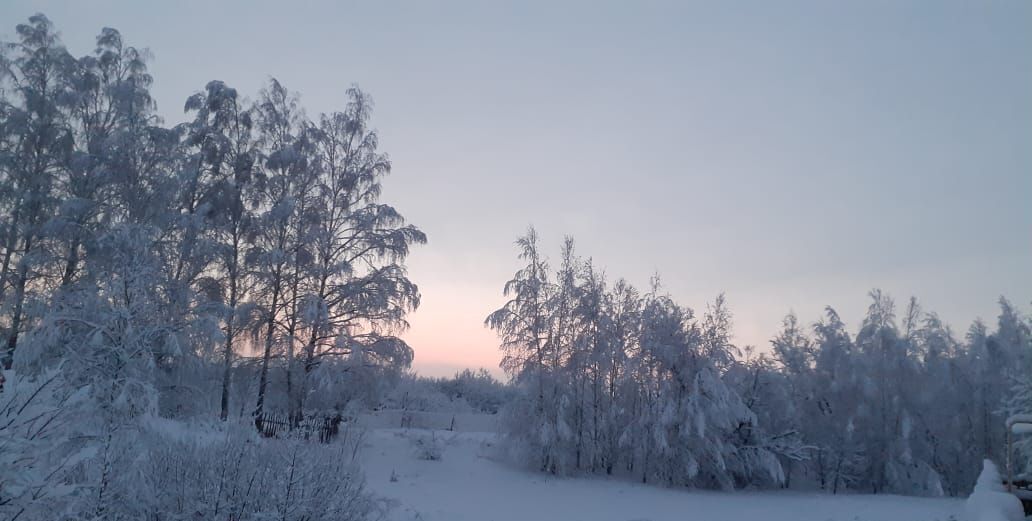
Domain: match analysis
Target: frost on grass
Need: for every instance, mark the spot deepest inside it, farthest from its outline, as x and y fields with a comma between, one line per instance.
x=164, y=469
x=240, y=477
x=428, y=446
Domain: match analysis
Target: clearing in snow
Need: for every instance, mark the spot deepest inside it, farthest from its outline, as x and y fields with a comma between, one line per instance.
x=469, y=483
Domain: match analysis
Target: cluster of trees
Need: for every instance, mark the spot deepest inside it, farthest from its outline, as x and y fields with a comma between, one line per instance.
x=905, y=405
x=249, y=229
x=620, y=381
x=211, y=267
x=468, y=391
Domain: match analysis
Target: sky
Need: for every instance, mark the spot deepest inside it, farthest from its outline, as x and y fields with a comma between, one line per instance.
x=791, y=155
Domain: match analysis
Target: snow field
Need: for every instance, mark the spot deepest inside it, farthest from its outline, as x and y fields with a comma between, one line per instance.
x=471, y=483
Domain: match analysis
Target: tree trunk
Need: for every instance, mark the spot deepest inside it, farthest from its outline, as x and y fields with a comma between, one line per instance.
x=309, y=365
x=19, y=301
x=226, y=372
x=270, y=330
x=72, y=265
x=228, y=351
x=12, y=243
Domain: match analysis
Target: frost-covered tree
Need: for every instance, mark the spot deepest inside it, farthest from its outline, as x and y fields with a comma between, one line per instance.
x=221, y=135
x=780, y=389
x=619, y=383
x=836, y=395
x=38, y=146
x=943, y=441
x=1013, y=340
x=594, y=349
x=524, y=327
x=285, y=180
x=353, y=296
x=140, y=266
x=522, y=323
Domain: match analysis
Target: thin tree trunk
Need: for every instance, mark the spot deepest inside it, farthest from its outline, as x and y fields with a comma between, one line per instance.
x=19, y=301
x=269, y=332
x=72, y=265
x=12, y=243
x=310, y=350
x=226, y=372
x=292, y=405
x=228, y=351
x=309, y=365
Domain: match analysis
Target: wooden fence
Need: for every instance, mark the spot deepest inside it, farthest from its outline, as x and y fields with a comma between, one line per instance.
x=321, y=427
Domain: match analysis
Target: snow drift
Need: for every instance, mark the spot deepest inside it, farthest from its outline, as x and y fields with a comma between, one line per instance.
x=989, y=501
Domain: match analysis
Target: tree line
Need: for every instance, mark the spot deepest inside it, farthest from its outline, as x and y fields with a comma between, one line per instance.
x=615, y=380
x=248, y=230
x=238, y=262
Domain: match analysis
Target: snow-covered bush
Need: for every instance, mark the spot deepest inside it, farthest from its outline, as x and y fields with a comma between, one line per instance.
x=467, y=392
x=428, y=446
x=56, y=465
x=482, y=391
x=233, y=475
x=338, y=385
x=416, y=393
x=39, y=455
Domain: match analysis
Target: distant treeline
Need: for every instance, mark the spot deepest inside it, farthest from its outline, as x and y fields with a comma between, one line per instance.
x=620, y=381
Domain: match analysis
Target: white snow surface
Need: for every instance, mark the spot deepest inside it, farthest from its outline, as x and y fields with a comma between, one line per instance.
x=470, y=483
x=1020, y=423
x=468, y=422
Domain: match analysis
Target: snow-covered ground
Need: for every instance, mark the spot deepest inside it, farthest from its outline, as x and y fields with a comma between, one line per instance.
x=468, y=483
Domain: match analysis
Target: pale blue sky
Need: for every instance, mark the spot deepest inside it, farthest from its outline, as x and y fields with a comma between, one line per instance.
x=792, y=154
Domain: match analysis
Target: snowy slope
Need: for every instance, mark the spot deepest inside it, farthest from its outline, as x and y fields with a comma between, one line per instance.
x=467, y=484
